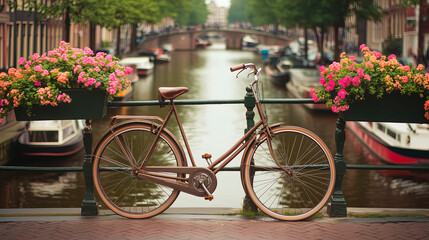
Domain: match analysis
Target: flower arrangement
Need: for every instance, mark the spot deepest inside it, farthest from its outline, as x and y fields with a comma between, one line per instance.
x=39, y=79
x=348, y=81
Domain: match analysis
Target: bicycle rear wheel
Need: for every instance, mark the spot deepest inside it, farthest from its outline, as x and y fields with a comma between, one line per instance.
x=294, y=196
x=114, y=177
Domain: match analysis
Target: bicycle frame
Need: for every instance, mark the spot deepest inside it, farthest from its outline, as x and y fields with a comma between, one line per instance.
x=149, y=173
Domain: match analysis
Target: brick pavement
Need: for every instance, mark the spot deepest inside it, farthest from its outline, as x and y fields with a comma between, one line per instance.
x=195, y=227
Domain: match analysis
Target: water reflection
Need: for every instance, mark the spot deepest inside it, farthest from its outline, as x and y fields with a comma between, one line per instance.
x=212, y=129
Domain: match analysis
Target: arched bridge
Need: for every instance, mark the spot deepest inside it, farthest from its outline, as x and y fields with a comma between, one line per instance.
x=185, y=40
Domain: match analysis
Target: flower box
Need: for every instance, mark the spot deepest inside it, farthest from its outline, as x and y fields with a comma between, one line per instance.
x=40, y=81
x=85, y=104
x=391, y=108
x=351, y=87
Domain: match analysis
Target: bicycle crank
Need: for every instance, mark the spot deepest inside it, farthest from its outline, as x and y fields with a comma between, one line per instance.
x=200, y=182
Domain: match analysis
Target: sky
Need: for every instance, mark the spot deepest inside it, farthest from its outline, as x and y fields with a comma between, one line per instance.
x=221, y=3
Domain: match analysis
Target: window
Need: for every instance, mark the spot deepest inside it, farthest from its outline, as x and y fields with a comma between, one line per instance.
x=68, y=131
x=391, y=133
x=43, y=136
x=381, y=127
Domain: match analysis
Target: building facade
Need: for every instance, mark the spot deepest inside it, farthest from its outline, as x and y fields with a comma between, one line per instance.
x=23, y=33
x=217, y=15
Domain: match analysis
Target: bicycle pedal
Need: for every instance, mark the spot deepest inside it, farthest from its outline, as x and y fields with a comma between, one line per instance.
x=209, y=197
x=207, y=157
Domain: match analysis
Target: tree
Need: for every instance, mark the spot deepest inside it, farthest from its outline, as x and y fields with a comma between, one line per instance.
x=237, y=11
x=319, y=15
x=265, y=12
x=194, y=13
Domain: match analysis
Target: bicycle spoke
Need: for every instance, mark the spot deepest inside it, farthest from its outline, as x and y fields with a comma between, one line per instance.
x=295, y=195
x=117, y=184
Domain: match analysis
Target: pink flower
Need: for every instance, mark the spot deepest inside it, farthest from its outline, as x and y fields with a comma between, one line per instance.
x=377, y=54
x=38, y=68
x=88, y=51
x=391, y=56
x=360, y=72
x=37, y=84
x=128, y=70
x=322, y=81
x=45, y=72
x=119, y=73
x=367, y=77
x=342, y=93
x=356, y=81
x=352, y=58
x=99, y=55
x=314, y=95
x=80, y=77
x=35, y=56
x=22, y=61
x=335, y=66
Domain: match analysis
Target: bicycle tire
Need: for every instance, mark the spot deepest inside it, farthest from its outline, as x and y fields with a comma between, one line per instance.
x=118, y=187
x=283, y=196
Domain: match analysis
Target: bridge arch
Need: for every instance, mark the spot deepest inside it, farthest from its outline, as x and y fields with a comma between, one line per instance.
x=185, y=40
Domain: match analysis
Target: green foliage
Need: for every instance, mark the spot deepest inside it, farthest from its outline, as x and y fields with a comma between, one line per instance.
x=264, y=12
x=109, y=13
x=237, y=11
x=195, y=12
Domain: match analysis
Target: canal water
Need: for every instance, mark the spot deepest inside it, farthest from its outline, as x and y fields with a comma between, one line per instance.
x=213, y=129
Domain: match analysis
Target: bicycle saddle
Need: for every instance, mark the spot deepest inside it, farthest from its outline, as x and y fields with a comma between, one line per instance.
x=172, y=92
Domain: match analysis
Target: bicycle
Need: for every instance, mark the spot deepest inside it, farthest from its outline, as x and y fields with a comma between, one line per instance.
x=139, y=166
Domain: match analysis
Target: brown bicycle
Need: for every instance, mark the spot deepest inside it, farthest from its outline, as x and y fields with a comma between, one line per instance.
x=140, y=167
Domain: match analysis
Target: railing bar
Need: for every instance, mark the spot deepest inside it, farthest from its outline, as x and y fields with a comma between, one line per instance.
x=388, y=167
x=348, y=166
x=206, y=102
x=45, y=169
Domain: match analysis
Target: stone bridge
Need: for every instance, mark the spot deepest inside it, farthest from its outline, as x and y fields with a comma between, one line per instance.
x=185, y=40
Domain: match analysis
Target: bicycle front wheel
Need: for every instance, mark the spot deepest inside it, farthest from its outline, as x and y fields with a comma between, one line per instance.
x=115, y=177
x=299, y=184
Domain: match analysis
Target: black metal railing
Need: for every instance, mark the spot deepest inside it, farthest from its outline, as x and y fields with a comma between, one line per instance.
x=336, y=208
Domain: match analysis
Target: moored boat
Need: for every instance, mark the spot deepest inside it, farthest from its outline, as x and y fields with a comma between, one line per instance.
x=276, y=76
x=144, y=65
x=394, y=143
x=51, y=138
x=160, y=55
x=249, y=41
x=302, y=80
x=201, y=43
x=10, y=129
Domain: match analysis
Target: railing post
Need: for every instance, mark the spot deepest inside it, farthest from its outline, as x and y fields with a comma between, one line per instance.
x=89, y=206
x=337, y=206
x=249, y=103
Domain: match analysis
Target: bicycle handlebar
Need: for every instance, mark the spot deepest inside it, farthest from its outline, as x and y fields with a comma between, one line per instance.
x=242, y=66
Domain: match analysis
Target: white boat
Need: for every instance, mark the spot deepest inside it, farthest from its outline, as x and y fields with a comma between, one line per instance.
x=394, y=143
x=249, y=41
x=302, y=80
x=51, y=138
x=143, y=65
